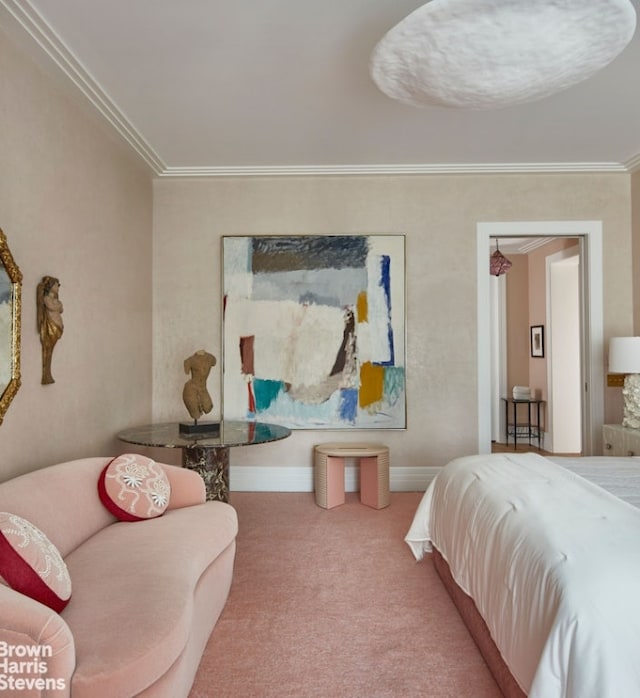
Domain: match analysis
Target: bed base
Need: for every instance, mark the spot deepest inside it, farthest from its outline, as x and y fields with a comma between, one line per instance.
x=478, y=630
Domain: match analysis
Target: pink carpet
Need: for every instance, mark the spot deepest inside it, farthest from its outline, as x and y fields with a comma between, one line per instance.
x=331, y=603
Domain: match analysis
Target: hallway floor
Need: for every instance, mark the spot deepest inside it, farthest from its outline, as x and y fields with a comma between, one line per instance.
x=525, y=448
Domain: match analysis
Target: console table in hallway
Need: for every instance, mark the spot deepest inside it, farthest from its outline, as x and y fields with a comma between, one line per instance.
x=533, y=430
x=207, y=454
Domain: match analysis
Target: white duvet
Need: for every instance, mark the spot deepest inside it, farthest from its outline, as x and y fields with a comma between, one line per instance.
x=552, y=562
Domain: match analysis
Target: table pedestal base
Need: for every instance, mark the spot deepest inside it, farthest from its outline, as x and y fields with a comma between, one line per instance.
x=212, y=464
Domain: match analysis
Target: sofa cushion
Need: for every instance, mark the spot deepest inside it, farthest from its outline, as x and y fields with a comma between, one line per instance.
x=31, y=564
x=133, y=488
x=138, y=583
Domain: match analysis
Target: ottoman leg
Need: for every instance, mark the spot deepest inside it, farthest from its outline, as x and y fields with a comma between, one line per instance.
x=335, y=481
x=374, y=482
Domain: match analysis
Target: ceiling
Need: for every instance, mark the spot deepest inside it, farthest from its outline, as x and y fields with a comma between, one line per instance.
x=223, y=87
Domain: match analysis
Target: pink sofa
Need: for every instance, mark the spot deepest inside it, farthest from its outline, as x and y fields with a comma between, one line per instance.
x=145, y=595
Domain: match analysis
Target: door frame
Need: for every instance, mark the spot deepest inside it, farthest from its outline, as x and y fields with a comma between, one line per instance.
x=498, y=356
x=590, y=232
x=553, y=263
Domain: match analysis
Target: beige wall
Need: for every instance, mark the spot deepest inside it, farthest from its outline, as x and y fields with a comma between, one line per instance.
x=75, y=204
x=438, y=214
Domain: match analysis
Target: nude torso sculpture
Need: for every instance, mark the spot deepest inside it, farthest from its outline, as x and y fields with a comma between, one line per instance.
x=195, y=395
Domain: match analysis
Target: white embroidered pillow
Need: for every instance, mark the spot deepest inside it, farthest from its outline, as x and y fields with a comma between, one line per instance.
x=134, y=488
x=31, y=564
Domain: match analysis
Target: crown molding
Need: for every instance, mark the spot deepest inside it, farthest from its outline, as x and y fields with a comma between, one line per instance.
x=36, y=27
x=521, y=245
x=633, y=165
x=419, y=169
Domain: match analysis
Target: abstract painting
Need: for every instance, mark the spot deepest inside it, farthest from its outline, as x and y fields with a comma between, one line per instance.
x=314, y=330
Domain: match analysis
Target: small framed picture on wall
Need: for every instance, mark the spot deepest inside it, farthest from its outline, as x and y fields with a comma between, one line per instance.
x=537, y=341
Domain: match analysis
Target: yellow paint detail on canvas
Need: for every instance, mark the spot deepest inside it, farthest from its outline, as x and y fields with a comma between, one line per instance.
x=371, y=384
x=363, y=307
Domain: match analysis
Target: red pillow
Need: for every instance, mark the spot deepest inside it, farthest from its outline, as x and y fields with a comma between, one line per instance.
x=134, y=488
x=31, y=564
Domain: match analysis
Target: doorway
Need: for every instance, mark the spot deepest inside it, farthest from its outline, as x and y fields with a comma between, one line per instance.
x=550, y=288
x=591, y=343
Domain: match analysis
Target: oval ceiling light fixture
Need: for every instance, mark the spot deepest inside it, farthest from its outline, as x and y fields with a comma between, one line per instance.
x=497, y=53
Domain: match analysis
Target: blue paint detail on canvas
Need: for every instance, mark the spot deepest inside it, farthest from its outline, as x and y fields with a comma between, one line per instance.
x=266, y=392
x=339, y=411
x=298, y=414
x=349, y=405
x=385, y=282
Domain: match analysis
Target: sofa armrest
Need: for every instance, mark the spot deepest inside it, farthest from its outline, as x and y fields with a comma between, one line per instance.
x=187, y=487
x=37, y=646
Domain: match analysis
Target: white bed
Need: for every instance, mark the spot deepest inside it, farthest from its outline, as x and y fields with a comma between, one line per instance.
x=551, y=561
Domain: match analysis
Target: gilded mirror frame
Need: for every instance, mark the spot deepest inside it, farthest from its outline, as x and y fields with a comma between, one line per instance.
x=15, y=277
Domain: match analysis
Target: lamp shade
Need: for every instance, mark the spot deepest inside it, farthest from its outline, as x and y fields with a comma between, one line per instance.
x=624, y=355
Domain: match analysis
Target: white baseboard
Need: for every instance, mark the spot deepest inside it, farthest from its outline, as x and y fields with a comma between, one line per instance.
x=300, y=479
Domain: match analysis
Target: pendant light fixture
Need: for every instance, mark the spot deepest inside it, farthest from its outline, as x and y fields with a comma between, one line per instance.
x=498, y=263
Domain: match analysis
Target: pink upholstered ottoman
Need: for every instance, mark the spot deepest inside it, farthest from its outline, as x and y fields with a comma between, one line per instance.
x=329, y=473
